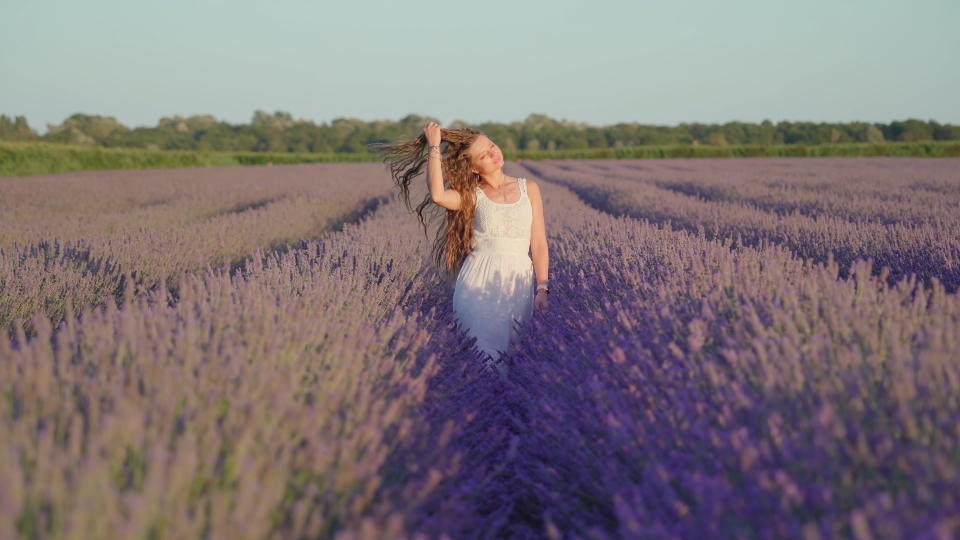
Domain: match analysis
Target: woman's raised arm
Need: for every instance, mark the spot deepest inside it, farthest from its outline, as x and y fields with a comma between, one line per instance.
x=447, y=198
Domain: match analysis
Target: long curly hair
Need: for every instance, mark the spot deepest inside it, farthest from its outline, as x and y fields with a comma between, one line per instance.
x=408, y=159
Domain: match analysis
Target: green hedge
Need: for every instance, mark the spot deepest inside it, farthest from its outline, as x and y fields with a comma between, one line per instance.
x=921, y=149
x=23, y=159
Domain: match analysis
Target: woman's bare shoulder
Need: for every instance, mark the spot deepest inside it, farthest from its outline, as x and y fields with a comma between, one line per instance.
x=532, y=185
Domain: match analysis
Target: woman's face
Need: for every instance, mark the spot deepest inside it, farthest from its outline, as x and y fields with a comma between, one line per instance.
x=485, y=156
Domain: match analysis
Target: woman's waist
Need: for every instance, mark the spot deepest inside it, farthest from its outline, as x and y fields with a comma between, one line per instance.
x=514, y=246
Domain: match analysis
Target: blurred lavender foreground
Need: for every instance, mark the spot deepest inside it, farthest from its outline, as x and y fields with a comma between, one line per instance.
x=685, y=384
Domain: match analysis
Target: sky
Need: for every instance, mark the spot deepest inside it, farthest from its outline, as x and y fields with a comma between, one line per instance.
x=599, y=61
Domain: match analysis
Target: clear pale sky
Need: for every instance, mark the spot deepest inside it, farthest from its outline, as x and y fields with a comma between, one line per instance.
x=597, y=61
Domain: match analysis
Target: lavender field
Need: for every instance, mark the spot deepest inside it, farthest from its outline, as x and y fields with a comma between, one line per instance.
x=71, y=239
x=266, y=353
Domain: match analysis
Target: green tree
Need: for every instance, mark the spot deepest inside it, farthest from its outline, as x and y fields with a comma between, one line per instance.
x=280, y=132
x=872, y=134
x=86, y=129
x=909, y=131
x=945, y=133
x=16, y=129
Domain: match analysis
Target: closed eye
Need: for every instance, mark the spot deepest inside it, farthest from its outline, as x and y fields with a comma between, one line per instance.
x=484, y=153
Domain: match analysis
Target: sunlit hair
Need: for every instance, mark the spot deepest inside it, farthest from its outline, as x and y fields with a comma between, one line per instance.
x=408, y=160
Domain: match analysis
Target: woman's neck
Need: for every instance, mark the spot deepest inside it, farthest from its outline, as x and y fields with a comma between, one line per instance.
x=495, y=179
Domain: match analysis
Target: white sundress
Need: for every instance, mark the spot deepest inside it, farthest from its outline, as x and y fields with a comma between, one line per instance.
x=495, y=286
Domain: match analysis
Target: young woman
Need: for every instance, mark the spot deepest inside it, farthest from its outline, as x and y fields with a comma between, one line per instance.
x=491, y=223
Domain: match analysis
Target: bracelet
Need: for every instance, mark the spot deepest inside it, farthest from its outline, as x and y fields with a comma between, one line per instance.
x=429, y=148
x=544, y=287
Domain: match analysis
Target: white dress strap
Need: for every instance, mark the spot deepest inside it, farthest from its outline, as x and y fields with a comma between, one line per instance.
x=522, y=184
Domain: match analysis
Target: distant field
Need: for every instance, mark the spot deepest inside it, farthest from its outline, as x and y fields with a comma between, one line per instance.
x=24, y=159
x=267, y=353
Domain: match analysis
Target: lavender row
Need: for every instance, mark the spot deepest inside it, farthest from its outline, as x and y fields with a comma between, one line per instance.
x=907, y=191
x=284, y=400
x=927, y=250
x=89, y=231
x=73, y=206
x=682, y=389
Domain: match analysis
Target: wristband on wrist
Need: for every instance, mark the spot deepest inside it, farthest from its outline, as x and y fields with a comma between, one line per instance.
x=543, y=286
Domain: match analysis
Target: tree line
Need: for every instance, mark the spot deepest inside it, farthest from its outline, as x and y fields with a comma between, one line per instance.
x=280, y=132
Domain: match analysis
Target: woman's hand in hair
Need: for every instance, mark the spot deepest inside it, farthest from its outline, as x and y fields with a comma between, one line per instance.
x=432, y=131
x=443, y=196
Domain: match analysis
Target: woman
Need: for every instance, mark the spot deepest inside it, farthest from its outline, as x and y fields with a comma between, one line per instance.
x=490, y=223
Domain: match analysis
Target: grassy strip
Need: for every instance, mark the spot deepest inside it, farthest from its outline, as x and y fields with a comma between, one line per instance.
x=24, y=159
x=920, y=149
